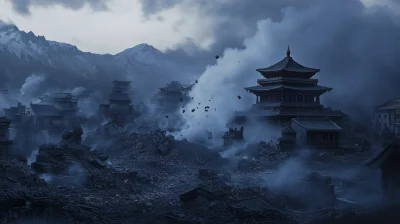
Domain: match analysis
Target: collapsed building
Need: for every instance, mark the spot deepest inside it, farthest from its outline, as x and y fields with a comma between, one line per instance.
x=233, y=136
x=21, y=120
x=20, y=109
x=5, y=142
x=55, y=112
x=172, y=95
x=388, y=161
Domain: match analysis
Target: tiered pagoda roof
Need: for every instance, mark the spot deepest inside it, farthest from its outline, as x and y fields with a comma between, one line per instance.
x=45, y=110
x=288, y=91
x=57, y=97
x=295, y=88
x=119, y=93
x=287, y=67
x=317, y=124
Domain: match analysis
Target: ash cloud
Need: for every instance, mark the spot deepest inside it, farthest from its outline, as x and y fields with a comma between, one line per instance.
x=233, y=22
x=23, y=6
x=32, y=87
x=354, y=46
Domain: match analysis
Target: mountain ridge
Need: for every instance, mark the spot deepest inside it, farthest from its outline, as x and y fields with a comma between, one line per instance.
x=23, y=53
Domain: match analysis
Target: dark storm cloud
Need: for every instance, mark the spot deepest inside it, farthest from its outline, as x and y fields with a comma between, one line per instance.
x=355, y=47
x=23, y=6
x=234, y=21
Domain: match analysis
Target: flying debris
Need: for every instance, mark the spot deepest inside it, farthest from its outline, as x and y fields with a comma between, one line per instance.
x=197, y=107
x=181, y=99
x=239, y=97
x=193, y=110
x=216, y=56
x=206, y=108
x=183, y=111
x=199, y=103
x=215, y=109
x=166, y=116
x=196, y=81
x=192, y=98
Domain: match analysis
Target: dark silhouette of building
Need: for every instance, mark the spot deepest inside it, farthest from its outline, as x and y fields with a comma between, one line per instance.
x=288, y=91
x=288, y=139
x=119, y=108
x=52, y=109
x=5, y=142
x=11, y=112
x=316, y=132
x=387, y=116
x=232, y=136
x=171, y=97
x=388, y=161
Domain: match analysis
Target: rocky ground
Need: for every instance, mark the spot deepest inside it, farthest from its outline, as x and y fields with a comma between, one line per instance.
x=152, y=178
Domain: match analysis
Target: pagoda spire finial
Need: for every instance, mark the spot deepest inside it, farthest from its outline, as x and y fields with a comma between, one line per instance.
x=288, y=51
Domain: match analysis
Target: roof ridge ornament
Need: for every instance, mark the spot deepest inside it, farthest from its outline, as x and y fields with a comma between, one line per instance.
x=288, y=52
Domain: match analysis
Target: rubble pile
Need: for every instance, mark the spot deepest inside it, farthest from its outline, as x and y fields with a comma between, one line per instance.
x=271, y=152
x=155, y=141
x=57, y=160
x=160, y=151
x=74, y=166
x=246, y=205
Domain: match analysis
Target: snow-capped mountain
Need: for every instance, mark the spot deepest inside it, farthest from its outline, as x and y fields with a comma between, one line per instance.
x=23, y=54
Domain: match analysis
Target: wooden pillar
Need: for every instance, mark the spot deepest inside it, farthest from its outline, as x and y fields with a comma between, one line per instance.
x=318, y=99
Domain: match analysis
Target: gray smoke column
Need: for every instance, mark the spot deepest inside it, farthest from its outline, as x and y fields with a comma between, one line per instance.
x=354, y=46
x=32, y=87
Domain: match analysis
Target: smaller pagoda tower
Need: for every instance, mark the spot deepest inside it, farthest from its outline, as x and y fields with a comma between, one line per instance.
x=120, y=93
x=119, y=107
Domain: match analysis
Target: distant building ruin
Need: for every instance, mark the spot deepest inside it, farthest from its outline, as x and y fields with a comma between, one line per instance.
x=119, y=108
x=172, y=95
x=51, y=111
x=387, y=116
x=388, y=161
x=233, y=136
x=20, y=109
x=5, y=142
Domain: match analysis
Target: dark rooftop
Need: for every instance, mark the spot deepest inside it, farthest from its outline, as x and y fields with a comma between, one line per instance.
x=52, y=97
x=317, y=124
x=268, y=113
x=288, y=129
x=298, y=88
x=121, y=82
x=289, y=65
x=199, y=191
x=4, y=121
x=389, y=105
x=45, y=110
x=381, y=156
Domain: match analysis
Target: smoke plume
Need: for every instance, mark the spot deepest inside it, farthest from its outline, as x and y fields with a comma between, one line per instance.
x=353, y=45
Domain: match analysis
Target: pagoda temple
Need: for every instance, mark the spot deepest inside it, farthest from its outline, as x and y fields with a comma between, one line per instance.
x=119, y=108
x=288, y=91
